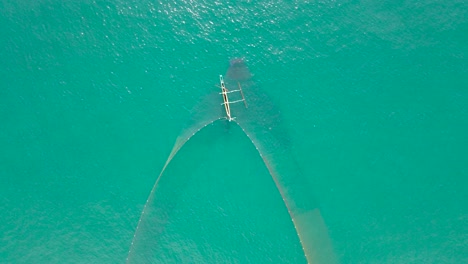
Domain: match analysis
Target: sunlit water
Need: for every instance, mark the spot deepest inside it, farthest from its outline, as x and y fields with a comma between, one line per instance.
x=93, y=95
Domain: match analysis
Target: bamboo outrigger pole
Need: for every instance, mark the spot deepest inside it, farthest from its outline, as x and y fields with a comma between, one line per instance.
x=242, y=94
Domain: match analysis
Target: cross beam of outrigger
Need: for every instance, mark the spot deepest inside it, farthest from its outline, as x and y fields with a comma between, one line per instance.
x=226, y=102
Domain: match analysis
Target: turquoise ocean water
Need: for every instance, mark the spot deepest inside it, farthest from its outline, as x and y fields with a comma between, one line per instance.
x=373, y=98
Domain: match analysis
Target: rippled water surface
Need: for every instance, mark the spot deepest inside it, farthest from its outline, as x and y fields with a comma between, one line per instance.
x=369, y=98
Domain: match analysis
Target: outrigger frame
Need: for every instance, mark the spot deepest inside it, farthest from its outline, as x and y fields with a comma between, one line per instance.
x=226, y=102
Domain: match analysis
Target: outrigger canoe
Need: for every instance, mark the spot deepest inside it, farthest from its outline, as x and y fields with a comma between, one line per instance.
x=226, y=102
